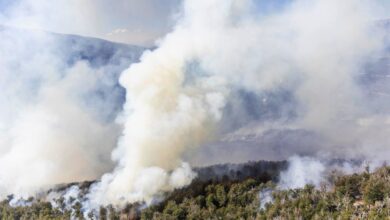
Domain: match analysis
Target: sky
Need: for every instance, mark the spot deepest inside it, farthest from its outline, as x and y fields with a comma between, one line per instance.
x=139, y=22
x=128, y=21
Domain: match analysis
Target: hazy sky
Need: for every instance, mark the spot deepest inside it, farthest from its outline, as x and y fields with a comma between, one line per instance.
x=129, y=21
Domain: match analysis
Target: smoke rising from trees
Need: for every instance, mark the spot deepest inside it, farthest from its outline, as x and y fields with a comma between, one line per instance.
x=182, y=96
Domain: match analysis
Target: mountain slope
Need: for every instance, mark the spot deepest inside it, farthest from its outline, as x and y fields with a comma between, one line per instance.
x=356, y=196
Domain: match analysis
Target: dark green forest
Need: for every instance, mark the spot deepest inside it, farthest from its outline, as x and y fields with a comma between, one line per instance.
x=357, y=196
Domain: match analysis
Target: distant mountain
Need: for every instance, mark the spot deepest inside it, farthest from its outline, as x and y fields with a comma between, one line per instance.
x=32, y=57
x=74, y=48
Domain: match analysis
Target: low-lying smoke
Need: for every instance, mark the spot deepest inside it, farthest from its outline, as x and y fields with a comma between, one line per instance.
x=302, y=171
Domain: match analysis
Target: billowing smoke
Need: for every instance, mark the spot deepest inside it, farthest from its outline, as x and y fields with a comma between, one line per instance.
x=229, y=73
x=177, y=93
x=164, y=115
x=55, y=112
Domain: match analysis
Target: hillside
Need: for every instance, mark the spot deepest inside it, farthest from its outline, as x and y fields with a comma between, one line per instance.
x=254, y=196
x=357, y=196
x=68, y=200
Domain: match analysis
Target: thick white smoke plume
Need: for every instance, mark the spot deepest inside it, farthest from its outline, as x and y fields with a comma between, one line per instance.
x=189, y=92
x=176, y=94
x=164, y=115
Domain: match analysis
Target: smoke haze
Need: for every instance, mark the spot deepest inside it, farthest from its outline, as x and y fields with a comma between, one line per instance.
x=292, y=81
x=54, y=127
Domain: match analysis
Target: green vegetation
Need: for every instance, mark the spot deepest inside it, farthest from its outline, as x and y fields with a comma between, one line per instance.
x=357, y=196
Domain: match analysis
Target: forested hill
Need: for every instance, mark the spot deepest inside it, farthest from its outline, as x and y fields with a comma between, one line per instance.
x=357, y=196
